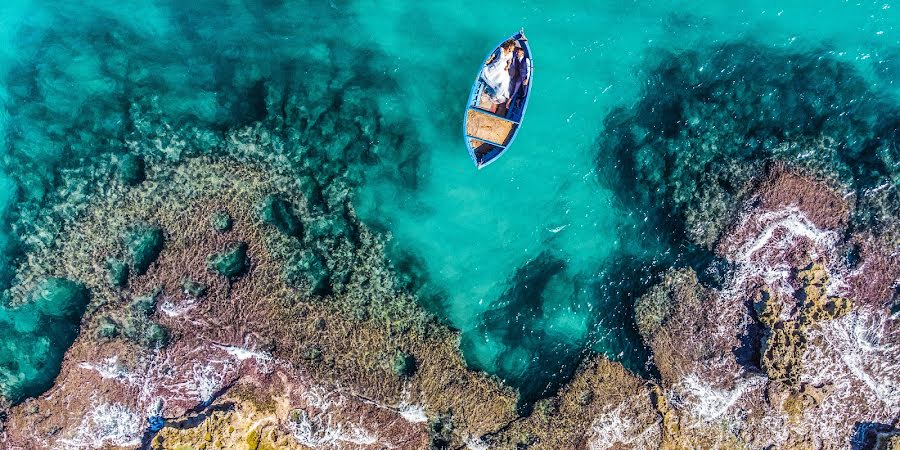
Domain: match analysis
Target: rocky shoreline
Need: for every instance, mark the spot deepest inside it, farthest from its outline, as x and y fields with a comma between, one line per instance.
x=247, y=318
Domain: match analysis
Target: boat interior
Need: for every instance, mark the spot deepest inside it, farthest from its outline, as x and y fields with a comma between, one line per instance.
x=489, y=126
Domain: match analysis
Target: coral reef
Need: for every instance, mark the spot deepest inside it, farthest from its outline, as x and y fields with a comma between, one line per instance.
x=181, y=356
x=138, y=100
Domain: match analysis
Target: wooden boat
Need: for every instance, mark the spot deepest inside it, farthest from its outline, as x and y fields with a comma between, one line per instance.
x=489, y=127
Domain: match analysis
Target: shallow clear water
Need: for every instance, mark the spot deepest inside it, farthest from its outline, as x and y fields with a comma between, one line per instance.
x=536, y=258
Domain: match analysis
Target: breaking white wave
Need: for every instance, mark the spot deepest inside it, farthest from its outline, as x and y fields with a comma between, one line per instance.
x=759, y=257
x=615, y=426
x=707, y=403
x=324, y=430
x=107, y=424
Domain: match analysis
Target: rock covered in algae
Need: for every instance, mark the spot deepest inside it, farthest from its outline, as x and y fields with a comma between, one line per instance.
x=117, y=273
x=108, y=328
x=817, y=304
x=144, y=305
x=232, y=262
x=143, y=244
x=654, y=307
x=404, y=364
x=138, y=325
x=193, y=288
x=668, y=317
x=782, y=352
x=279, y=213
x=221, y=221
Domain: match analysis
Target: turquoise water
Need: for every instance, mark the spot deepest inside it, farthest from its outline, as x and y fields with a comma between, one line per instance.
x=549, y=208
x=535, y=259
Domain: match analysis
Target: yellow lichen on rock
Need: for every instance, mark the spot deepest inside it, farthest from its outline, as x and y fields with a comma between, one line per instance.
x=242, y=426
x=785, y=339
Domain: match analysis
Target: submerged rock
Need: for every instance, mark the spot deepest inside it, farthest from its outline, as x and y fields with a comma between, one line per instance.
x=143, y=306
x=108, y=328
x=118, y=273
x=280, y=214
x=131, y=169
x=194, y=288
x=137, y=324
x=59, y=297
x=307, y=271
x=736, y=107
x=143, y=245
x=404, y=364
x=221, y=221
x=38, y=351
x=232, y=262
x=143, y=331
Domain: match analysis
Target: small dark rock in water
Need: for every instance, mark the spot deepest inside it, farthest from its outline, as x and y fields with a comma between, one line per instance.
x=108, y=328
x=118, y=273
x=281, y=215
x=145, y=332
x=131, y=169
x=193, y=288
x=404, y=364
x=232, y=262
x=138, y=325
x=156, y=336
x=143, y=306
x=585, y=398
x=143, y=244
x=441, y=431
x=312, y=354
x=221, y=221
x=307, y=269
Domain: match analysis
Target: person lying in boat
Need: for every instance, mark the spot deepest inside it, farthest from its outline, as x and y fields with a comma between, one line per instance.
x=495, y=73
x=519, y=74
